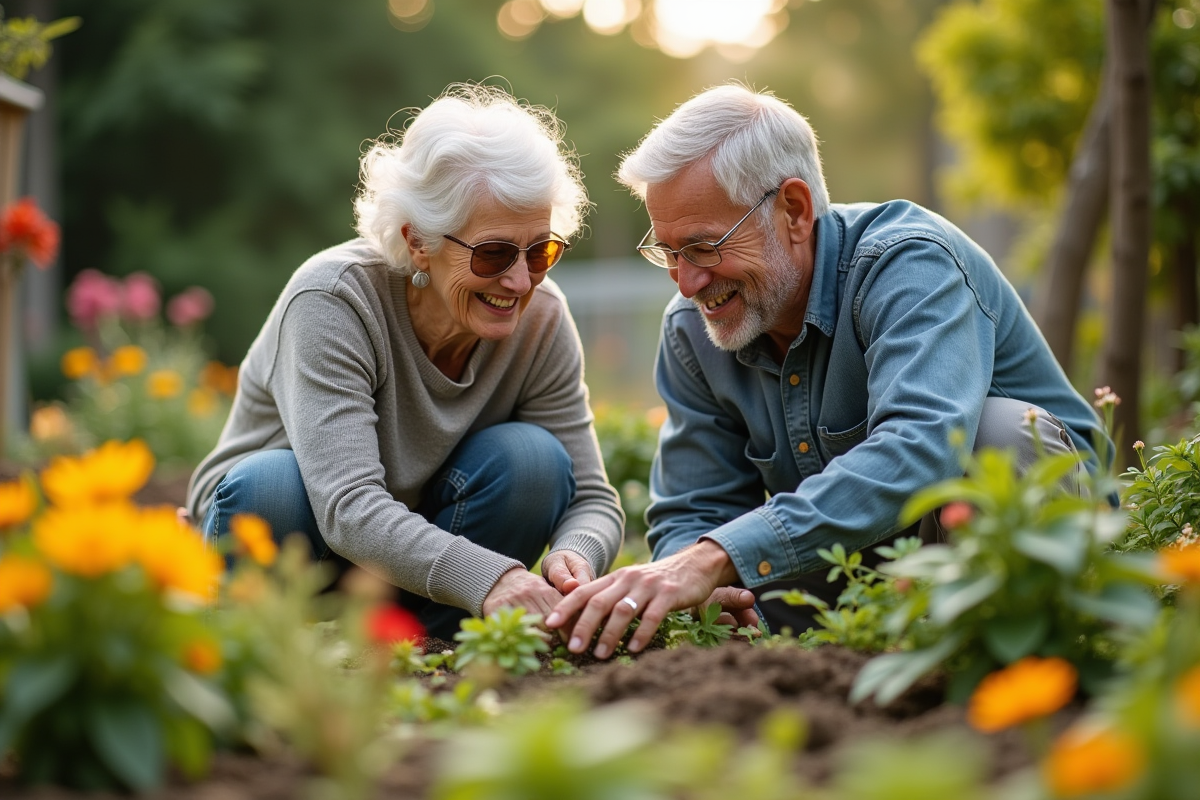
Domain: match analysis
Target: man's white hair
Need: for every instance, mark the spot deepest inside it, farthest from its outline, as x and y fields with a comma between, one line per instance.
x=755, y=141
x=471, y=144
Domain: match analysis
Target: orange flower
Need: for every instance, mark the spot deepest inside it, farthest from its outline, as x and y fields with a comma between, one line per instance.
x=18, y=500
x=127, y=360
x=79, y=362
x=220, y=378
x=253, y=536
x=956, y=514
x=1180, y=564
x=202, y=656
x=656, y=416
x=113, y=471
x=1030, y=688
x=1187, y=690
x=49, y=422
x=163, y=384
x=174, y=556
x=23, y=227
x=23, y=582
x=87, y=540
x=1089, y=759
x=201, y=402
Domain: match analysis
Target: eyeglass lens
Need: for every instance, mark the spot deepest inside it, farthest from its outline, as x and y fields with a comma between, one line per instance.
x=491, y=259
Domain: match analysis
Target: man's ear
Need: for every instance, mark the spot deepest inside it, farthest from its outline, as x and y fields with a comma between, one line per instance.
x=797, y=204
x=416, y=247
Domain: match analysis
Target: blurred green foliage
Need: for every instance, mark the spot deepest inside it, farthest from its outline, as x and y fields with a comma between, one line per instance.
x=218, y=142
x=25, y=42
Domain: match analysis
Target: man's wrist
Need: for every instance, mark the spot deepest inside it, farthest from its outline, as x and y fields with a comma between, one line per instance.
x=711, y=557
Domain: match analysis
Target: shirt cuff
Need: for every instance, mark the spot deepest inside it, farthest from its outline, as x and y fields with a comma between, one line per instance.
x=759, y=546
x=588, y=545
x=464, y=573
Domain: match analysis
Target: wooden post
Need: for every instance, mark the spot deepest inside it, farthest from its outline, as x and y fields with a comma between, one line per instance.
x=16, y=101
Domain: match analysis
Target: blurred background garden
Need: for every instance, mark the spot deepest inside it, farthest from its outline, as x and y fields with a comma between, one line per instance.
x=194, y=154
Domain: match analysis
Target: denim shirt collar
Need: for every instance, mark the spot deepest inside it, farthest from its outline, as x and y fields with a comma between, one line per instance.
x=822, y=295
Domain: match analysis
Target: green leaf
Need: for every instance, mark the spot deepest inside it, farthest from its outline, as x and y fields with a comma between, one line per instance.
x=886, y=677
x=939, y=495
x=794, y=597
x=33, y=684
x=947, y=602
x=200, y=700
x=1049, y=470
x=1010, y=639
x=128, y=738
x=1065, y=548
x=1120, y=604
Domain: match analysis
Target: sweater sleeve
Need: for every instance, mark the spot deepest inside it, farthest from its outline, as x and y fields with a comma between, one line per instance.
x=327, y=368
x=556, y=398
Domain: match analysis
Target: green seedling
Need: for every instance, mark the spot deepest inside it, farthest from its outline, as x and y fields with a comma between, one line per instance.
x=508, y=638
x=702, y=631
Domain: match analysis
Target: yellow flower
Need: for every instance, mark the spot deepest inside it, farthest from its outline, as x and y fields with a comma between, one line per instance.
x=1090, y=759
x=174, y=556
x=87, y=540
x=163, y=384
x=253, y=536
x=18, y=499
x=201, y=402
x=219, y=378
x=113, y=471
x=79, y=362
x=248, y=588
x=1180, y=564
x=23, y=582
x=202, y=656
x=48, y=423
x=127, y=360
x=1187, y=691
x=1030, y=688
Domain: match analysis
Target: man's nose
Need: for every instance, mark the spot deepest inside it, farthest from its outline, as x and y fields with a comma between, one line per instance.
x=690, y=278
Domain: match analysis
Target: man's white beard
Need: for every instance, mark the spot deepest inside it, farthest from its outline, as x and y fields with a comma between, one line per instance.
x=763, y=304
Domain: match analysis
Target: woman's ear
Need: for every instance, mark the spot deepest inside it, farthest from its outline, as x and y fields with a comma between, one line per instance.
x=416, y=247
x=797, y=204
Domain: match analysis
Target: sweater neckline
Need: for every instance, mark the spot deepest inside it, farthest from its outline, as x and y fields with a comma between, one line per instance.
x=433, y=377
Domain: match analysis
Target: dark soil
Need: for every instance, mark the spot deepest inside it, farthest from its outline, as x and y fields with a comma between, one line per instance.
x=733, y=685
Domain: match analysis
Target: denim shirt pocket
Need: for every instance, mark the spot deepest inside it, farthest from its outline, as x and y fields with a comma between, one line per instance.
x=836, y=443
x=766, y=466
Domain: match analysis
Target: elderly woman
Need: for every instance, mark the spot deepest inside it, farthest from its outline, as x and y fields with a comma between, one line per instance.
x=414, y=403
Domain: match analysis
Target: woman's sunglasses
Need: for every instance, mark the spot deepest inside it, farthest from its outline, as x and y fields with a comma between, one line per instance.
x=493, y=259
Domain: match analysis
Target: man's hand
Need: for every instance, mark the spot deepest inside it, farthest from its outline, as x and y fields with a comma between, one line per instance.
x=567, y=570
x=520, y=587
x=684, y=580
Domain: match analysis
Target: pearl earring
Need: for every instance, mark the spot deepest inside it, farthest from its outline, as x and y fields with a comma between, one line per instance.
x=420, y=279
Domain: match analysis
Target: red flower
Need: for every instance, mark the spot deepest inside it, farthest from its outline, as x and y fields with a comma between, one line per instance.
x=24, y=228
x=390, y=623
x=956, y=514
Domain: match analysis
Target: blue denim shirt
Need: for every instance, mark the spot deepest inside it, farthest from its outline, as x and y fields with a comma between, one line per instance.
x=909, y=326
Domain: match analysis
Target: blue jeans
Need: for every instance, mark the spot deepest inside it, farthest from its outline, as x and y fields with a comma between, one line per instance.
x=505, y=488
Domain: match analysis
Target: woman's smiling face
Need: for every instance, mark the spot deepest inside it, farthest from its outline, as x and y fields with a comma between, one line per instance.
x=485, y=308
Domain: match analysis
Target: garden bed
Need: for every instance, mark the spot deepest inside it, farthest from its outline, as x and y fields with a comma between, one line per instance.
x=734, y=685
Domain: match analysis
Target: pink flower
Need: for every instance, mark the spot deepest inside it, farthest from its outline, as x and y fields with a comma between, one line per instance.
x=92, y=295
x=140, y=299
x=192, y=305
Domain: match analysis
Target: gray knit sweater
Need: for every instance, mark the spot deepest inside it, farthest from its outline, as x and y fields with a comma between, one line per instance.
x=338, y=376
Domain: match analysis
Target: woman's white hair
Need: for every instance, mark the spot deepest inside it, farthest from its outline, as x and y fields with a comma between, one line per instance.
x=755, y=140
x=473, y=142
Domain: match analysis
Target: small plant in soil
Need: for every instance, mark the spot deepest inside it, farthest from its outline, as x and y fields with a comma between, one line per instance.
x=702, y=630
x=507, y=638
x=412, y=702
x=874, y=609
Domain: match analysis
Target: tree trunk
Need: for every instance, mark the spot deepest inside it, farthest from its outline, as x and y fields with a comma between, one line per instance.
x=1129, y=58
x=1086, y=193
x=1183, y=265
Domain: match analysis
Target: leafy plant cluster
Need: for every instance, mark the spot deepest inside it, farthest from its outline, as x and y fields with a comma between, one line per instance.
x=508, y=639
x=1027, y=571
x=874, y=610
x=1163, y=497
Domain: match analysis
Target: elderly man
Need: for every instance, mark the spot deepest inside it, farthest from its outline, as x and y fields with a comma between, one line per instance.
x=814, y=365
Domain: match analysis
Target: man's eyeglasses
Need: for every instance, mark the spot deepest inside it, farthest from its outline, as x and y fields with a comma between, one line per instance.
x=702, y=254
x=493, y=259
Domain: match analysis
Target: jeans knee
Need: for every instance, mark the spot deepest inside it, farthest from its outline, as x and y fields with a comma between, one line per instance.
x=267, y=484
x=530, y=457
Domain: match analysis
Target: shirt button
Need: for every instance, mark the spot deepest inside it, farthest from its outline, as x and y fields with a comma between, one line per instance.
x=802, y=447
x=794, y=380
x=764, y=568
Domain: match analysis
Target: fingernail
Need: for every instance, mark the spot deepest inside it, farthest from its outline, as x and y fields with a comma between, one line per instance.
x=746, y=597
x=601, y=651
x=634, y=646
x=553, y=620
x=576, y=644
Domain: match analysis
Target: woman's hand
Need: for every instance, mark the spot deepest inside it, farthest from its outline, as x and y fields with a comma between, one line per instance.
x=520, y=587
x=567, y=570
